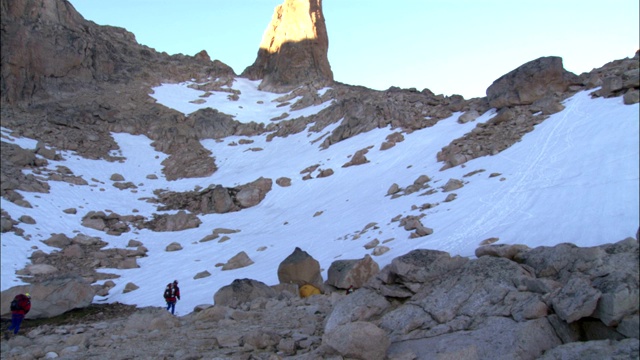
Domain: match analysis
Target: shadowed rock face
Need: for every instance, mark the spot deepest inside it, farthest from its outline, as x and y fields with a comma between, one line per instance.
x=294, y=48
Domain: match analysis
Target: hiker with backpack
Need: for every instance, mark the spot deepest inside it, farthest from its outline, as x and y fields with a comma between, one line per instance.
x=20, y=306
x=172, y=295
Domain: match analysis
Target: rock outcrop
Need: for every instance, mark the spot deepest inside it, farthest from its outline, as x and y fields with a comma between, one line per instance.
x=54, y=297
x=560, y=302
x=530, y=82
x=294, y=49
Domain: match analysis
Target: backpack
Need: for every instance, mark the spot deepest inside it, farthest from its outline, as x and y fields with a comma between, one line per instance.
x=18, y=302
x=168, y=291
x=14, y=305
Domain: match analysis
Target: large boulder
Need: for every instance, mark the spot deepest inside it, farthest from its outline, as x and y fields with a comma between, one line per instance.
x=241, y=291
x=238, y=261
x=493, y=338
x=345, y=273
x=362, y=305
x=600, y=349
x=358, y=340
x=51, y=298
x=300, y=268
x=530, y=82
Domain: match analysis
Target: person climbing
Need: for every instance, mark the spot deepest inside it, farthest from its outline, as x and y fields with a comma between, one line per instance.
x=171, y=295
x=20, y=306
x=349, y=290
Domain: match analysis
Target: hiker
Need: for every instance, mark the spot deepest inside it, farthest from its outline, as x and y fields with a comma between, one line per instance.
x=171, y=293
x=349, y=290
x=20, y=306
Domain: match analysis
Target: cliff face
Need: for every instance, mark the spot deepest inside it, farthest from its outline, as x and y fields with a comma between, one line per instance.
x=31, y=53
x=294, y=49
x=49, y=50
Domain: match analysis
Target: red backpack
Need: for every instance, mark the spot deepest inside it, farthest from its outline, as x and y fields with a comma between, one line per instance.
x=20, y=302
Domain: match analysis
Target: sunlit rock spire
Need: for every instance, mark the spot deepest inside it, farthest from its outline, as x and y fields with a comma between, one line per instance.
x=294, y=48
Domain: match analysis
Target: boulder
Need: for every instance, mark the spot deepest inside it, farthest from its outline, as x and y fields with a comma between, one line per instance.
x=358, y=340
x=452, y=184
x=530, y=82
x=575, y=300
x=600, y=349
x=362, y=305
x=241, y=291
x=493, y=338
x=238, y=261
x=507, y=251
x=174, y=246
x=181, y=220
x=345, y=273
x=421, y=266
x=52, y=297
x=300, y=268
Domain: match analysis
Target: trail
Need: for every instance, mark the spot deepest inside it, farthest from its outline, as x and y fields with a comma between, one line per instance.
x=502, y=208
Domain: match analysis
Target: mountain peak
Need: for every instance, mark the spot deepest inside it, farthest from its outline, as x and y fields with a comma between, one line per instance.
x=294, y=48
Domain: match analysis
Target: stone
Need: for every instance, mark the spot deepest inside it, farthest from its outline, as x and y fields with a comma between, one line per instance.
x=129, y=287
x=602, y=349
x=116, y=177
x=421, y=266
x=52, y=297
x=468, y=116
x=393, y=189
x=174, y=246
x=494, y=338
x=202, y=274
x=345, y=273
x=283, y=181
x=362, y=305
x=576, y=300
x=358, y=340
x=238, y=261
x=452, y=184
x=241, y=291
x=507, y=251
x=631, y=97
x=530, y=82
x=300, y=268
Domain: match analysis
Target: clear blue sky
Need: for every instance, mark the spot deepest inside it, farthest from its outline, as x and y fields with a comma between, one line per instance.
x=447, y=46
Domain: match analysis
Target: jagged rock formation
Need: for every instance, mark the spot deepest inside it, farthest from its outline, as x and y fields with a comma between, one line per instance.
x=294, y=49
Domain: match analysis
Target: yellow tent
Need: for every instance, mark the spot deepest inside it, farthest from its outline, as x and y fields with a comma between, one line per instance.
x=308, y=290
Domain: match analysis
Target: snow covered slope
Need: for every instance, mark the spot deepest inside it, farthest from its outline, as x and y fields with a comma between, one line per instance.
x=573, y=179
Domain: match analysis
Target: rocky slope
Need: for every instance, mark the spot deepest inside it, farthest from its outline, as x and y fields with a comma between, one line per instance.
x=561, y=302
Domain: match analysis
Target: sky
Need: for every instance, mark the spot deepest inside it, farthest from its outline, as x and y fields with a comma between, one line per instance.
x=447, y=46
x=580, y=185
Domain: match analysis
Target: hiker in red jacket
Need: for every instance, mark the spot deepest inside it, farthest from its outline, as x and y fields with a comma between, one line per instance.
x=19, y=309
x=171, y=293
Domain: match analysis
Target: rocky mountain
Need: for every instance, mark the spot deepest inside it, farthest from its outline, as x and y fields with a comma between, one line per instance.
x=71, y=85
